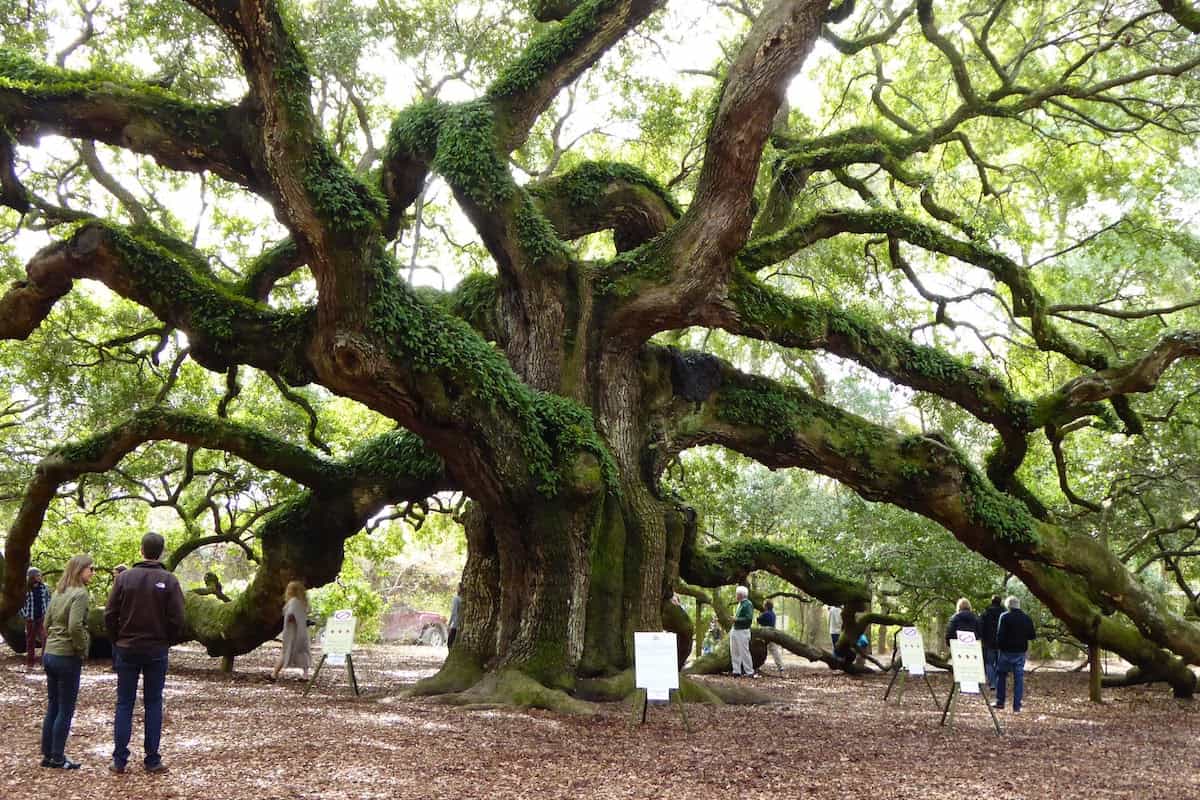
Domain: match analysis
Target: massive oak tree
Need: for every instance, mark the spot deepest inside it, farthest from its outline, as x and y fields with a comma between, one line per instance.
x=928, y=224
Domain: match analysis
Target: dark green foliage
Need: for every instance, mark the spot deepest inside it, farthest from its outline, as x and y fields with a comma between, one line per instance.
x=346, y=202
x=549, y=49
x=585, y=185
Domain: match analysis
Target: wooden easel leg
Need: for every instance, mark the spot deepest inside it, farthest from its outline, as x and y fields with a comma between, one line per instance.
x=948, y=712
x=891, y=683
x=351, y=675
x=682, y=711
x=987, y=701
x=313, y=680
x=936, y=702
x=639, y=695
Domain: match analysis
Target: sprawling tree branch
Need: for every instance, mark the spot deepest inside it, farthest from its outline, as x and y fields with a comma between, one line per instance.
x=223, y=328
x=1074, y=575
x=37, y=100
x=302, y=540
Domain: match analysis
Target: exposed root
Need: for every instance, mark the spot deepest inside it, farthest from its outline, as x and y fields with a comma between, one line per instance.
x=610, y=689
x=514, y=689
x=459, y=672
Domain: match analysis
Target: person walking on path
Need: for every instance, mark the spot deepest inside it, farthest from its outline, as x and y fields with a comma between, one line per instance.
x=767, y=620
x=989, y=621
x=67, y=643
x=739, y=636
x=37, y=600
x=964, y=619
x=295, y=651
x=835, y=623
x=455, y=617
x=144, y=616
x=1014, y=632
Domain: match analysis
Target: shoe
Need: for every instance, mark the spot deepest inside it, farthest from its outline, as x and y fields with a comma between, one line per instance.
x=1016, y=711
x=157, y=769
x=66, y=763
x=115, y=768
x=754, y=675
x=999, y=706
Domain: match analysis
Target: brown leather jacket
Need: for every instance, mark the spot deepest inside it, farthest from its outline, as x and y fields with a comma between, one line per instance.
x=145, y=608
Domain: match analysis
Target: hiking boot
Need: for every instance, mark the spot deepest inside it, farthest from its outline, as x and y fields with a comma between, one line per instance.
x=157, y=769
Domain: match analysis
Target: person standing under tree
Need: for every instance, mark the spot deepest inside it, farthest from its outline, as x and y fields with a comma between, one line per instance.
x=67, y=643
x=767, y=620
x=835, y=623
x=1013, y=634
x=37, y=600
x=989, y=621
x=455, y=616
x=295, y=651
x=739, y=636
x=144, y=616
x=964, y=619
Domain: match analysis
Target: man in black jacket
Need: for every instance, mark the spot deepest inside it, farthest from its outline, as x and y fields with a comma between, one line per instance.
x=989, y=621
x=1013, y=635
x=144, y=616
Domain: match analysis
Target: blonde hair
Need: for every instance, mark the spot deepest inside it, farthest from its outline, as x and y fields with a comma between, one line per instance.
x=295, y=589
x=73, y=573
x=964, y=604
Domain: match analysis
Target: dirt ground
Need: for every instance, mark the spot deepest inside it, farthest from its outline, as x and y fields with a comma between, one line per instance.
x=826, y=736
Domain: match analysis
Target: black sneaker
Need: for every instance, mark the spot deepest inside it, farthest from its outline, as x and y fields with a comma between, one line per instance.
x=157, y=769
x=65, y=763
x=115, y=768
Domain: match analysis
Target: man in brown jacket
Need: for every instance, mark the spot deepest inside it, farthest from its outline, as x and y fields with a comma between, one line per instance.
x=144, y=616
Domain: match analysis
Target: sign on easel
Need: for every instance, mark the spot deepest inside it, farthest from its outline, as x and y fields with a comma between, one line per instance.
x=912, y=662
x=912, y=651
x=656, y=669
x=337, y=645
x=338, y=641
x=966, y=657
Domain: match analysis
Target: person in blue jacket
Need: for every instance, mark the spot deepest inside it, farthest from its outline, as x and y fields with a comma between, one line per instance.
x=1013, y=634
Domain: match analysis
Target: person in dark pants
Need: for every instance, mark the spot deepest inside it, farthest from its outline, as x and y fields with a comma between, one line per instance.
x=455, y=617
x=989, y=621
x=767, y=620
x=37, y=600
x=1014, y=632
x=66, y=647
x=964, y=619
x=144, y=616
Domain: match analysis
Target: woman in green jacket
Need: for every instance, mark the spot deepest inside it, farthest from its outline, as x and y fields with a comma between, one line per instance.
x=66, y=647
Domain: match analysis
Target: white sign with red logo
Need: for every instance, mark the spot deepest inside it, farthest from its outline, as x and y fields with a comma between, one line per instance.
x=966, y=656
x=338, y=640
x=912, y=651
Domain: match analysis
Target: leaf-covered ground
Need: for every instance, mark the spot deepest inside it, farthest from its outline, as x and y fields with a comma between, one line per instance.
x=242, y=737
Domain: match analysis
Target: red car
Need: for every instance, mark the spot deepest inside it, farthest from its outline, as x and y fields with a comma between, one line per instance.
x=400, y=623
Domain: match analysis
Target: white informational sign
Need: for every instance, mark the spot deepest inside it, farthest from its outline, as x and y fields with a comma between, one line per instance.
x=339, y=635
x=655, y=663
x=966, y=656
x=912, y=651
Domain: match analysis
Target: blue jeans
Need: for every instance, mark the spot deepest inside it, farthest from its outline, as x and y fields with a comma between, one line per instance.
x=152, y=667
x=989, y=665
x=1005, y=663
x=62, y=690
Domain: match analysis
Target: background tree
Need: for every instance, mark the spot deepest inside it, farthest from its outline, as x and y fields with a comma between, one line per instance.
x=982, y=207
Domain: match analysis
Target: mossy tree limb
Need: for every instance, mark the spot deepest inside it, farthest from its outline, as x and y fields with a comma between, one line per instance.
x=784, y=426
x=302, y=540
x=38, y=100
x=223, y=326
